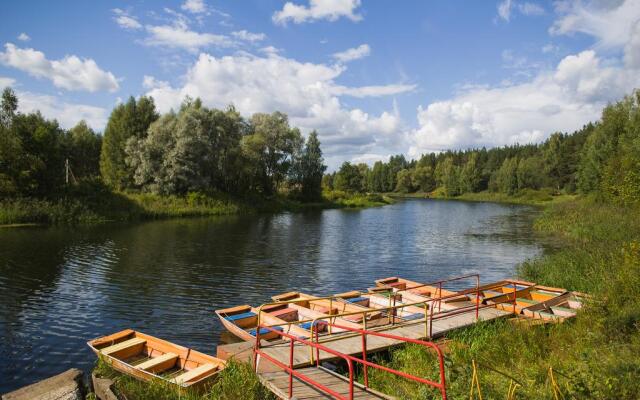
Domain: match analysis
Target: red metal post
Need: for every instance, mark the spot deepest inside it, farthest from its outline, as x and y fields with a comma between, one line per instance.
x=364, y=357
x=477, y=296
x=515, y=288
x=291, y=370
x=439, y=296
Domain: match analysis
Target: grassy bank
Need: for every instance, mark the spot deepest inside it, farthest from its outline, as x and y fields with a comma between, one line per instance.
x=97, y=204
x=592, y=357
x=236, y=381
x=540, y=197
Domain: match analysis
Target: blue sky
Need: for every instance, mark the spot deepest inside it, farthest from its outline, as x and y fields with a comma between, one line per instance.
x=373, y=77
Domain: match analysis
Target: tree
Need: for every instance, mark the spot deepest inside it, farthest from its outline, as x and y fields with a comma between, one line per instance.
x=270, y=147
x=403, y=182
x=309, y=169
x=83, y=151
x=470, y=175
x=348, y=178
x=8, y=107
x=530, y=173
x=506, y=176
x=422, y=178
x=449, y=176
x=128, y=120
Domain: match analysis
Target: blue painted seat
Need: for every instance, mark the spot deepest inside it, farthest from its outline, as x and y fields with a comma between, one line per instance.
x=264, y=331
x=307, y=325
x=237, y=317
x=411, y=317
x=357, y=299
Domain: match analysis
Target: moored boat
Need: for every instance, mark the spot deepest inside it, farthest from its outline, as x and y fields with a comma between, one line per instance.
x=557, y=309
x=146, y=357
x=384, y=301
x=242, y=321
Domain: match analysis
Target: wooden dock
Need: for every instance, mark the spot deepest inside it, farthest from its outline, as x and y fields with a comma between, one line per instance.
x=278, y=383
x=352, y=344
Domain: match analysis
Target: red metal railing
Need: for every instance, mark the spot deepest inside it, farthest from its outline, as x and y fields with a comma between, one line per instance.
x=293, y=372
x=441, y=386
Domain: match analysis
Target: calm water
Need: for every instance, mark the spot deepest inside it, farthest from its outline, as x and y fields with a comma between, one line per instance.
x=61, y=287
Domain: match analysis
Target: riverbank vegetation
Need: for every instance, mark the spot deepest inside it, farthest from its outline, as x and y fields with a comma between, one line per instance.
x=192, y=161
x=601, y=159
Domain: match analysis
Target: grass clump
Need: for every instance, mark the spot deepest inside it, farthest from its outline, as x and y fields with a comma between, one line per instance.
x=355, y=200
x=594, y=356
x=236, y=381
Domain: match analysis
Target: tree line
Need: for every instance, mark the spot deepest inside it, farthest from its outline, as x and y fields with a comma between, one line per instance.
x=193, y=149
x=602, y=158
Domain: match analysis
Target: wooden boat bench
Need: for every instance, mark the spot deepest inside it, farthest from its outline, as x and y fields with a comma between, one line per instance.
x=194, y=374
x=132, y=345
x=160, y=363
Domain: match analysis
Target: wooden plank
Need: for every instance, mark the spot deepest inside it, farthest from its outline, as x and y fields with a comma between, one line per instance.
x=278, y=383
x=127, y=344
x=159, y=363
x=194, y=374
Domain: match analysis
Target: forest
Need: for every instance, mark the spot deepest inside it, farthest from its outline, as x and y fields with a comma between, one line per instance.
x=195, y=151
x=602, y=158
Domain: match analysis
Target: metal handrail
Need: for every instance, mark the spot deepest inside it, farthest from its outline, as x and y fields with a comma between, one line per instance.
x=441, y=386
x=292, y=371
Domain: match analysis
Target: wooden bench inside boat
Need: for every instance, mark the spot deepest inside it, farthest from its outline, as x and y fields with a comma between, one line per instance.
x=131, y=346
x=195, y=374
x=160, y=363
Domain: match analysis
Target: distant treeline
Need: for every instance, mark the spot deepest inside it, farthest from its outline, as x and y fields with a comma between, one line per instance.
x=193, y=149
x=602, y=158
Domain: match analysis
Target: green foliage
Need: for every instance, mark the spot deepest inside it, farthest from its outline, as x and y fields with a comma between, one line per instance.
x=127, y=120
x=308, y=170
x=506, y=177
x=404, y=183
x=349, y=178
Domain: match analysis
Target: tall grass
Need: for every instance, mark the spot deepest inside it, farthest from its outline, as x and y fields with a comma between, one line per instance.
x=236, y=381
x=594, y=356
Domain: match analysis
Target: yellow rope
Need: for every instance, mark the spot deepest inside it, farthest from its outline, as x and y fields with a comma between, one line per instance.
x=475, y=380
x=557, y=394
x=511, y=394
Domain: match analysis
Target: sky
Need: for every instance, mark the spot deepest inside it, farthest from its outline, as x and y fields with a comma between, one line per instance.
x=372, y=77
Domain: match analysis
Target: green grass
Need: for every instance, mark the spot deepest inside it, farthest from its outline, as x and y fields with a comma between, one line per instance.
x=342, y=199
x=594, y=356
x=236, y=381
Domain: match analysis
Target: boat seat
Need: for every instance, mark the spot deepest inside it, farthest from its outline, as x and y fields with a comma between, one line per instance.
x=358, y=300
x=320, y=325
x=195, y=374
x=160, y=363
x=127, y=344
x=412, y=317
x=237, y=317
x=527, y=301
x=492, y=293
x=264, y=331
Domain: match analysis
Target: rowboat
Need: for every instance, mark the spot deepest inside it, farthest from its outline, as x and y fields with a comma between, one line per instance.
x=558, y=309
x=329, y=306
x=525, y=297
x=146, y=357
x=242, y=321
x=405, y=285
x=384, y=301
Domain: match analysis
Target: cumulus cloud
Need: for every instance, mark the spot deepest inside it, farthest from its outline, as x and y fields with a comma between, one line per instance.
x=67, y=114
x=329, y=10
x=249, y=36
x=23, y=37
x=4, y=82
x=611, y=23
x=352, y=54
x=194, y=6
x=507, y=7
x=70, y=72
x=307, y=92
x=179, y=36
x=125, y=20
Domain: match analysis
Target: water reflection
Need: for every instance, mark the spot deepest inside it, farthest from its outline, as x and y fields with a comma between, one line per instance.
x=61, y=287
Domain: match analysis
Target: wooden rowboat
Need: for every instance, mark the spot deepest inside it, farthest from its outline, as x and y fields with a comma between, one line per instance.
x=405, y=285
x=558, y=308
x=383, y=301
x=242, y=321
x=146, y=357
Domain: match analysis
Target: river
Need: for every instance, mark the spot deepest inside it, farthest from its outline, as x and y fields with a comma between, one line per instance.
x=60, y=287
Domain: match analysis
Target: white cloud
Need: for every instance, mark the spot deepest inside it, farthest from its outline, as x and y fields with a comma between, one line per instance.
x=194, y=6
x=179, y=36
x=23, y=37
x=506, y=8
x=67, y=114
x=330, y=10
x=125, y=20
x=4, y=82
x=373, y=91
x=249, y=36
x=70, y=72
x=352, y=54
x=611, y=23
x=307, y=92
